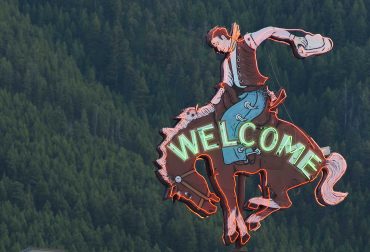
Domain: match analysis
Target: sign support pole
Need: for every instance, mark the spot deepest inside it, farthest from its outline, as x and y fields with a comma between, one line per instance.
x=241, y=201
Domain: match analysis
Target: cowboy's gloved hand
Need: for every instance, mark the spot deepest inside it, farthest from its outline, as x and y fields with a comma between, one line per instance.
x=300, y=41
x=217, y=98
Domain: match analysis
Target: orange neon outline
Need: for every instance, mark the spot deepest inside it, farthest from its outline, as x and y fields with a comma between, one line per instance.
x=316, y=187
x=202, y=212
x=213, y=177
x=223, y=199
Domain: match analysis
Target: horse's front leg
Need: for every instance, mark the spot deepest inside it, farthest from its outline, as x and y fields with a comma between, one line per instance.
x=234, y=225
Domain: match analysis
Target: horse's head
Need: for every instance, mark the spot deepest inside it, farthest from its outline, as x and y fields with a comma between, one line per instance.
x=189, y=187
x=181, y=178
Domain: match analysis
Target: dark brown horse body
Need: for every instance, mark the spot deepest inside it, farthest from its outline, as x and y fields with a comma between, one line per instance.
x=278, y=175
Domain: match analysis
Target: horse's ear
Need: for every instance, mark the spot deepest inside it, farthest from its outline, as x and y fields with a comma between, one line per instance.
x=196, y=107
x=167, y=193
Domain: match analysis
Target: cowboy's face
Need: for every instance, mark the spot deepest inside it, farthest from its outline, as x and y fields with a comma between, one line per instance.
x=221, y=43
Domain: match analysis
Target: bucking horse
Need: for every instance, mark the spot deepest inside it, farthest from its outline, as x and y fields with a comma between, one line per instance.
x=283, y=155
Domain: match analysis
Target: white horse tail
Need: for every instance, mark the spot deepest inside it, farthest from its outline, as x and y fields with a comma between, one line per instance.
x=334, y=169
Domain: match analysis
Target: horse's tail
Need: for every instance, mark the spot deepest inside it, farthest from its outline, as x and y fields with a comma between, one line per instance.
x=333, y=170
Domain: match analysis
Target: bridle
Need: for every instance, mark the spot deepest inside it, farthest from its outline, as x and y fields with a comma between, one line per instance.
x=180, y=180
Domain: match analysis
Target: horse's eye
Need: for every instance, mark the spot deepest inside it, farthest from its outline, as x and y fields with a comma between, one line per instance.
x=188, y=195
x=192, y=114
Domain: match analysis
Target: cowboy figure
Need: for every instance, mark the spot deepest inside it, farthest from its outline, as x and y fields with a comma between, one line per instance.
x=240, y=73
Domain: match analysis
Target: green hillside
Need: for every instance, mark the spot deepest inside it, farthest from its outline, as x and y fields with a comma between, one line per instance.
x=86, y=85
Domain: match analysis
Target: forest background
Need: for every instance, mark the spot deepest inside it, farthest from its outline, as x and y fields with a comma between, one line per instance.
x=86, y=85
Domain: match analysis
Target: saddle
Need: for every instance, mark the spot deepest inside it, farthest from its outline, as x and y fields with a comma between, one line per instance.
x=230, y=97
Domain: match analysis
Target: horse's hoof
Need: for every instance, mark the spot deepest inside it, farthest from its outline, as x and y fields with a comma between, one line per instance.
x=209, y=208
x=245, y=239
x=229, y=239
x=251, y=206
x=253, y=218
x=214, y=198
x=254, y=226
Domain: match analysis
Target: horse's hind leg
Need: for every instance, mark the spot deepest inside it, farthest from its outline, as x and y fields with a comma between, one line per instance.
x=279, y=200
x=254, y=204
x=254, y=219
x=233, y=220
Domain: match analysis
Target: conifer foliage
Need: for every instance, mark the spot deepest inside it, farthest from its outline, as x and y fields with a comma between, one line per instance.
x=86, y=85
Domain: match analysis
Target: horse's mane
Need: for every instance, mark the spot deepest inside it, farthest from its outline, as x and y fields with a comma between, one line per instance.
x=185, y=118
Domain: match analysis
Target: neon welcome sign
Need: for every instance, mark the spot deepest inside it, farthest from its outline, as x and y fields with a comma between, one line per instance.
x=238, y=133
x=280, y=145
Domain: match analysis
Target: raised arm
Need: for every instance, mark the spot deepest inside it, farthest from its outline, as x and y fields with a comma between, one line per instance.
x=281, y=35
x=308, y=45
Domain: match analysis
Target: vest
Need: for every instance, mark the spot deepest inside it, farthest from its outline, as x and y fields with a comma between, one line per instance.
x=247, y=68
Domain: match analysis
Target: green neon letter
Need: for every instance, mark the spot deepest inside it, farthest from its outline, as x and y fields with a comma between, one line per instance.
x=286, y=145
x=307, y=161
x=205, y=138
x=223, y=132
x=263, y=138
x=242, y=130
x=185, y=143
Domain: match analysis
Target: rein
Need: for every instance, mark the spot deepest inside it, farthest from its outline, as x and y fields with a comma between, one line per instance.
x=179, y=180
